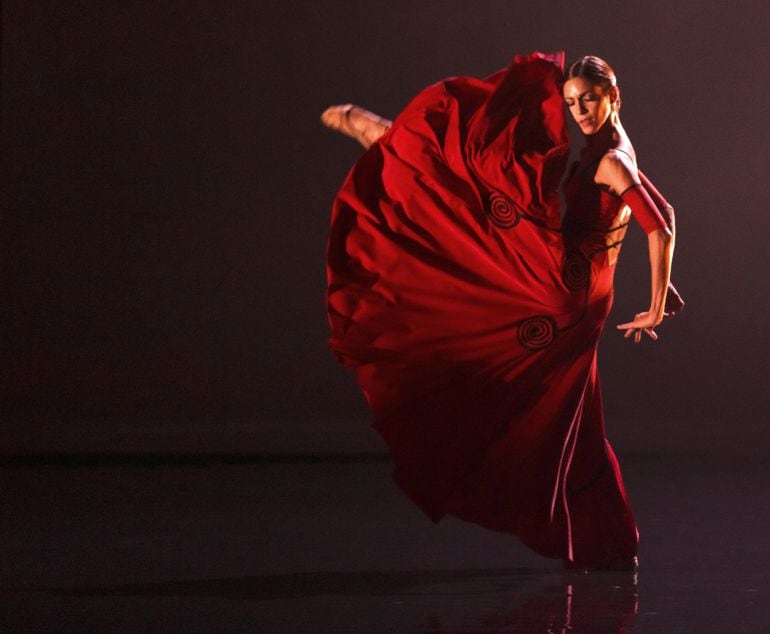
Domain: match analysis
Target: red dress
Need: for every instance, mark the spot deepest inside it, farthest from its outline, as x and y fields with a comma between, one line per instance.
x=471, y=313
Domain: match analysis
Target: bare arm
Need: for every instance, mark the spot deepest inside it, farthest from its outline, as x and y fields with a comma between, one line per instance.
x=620, y=173
x=660, y=244
x=674, y=301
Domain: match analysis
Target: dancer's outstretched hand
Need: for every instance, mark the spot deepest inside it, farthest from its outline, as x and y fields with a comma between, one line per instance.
x=643, y=322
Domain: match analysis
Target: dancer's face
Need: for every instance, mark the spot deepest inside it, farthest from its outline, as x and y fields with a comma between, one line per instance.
x=589, y=104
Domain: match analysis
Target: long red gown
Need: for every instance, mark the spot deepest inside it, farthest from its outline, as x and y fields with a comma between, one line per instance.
x=471, y=313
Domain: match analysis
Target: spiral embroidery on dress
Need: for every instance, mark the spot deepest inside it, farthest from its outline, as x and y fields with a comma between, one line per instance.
x=537, y=332
x=502, y=211
x=576, y=271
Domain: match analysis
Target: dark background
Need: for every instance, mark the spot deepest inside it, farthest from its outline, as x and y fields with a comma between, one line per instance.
x=166, y=190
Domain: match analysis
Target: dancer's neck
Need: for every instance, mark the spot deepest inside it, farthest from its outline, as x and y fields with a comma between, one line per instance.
x=610, y=135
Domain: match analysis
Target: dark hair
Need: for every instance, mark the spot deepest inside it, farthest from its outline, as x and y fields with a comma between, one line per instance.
x=596, y=70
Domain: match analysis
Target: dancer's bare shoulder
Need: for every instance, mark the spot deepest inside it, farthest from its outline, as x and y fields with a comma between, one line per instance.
x=617, y=170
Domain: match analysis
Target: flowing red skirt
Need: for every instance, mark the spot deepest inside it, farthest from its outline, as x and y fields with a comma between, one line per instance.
x=452, y=294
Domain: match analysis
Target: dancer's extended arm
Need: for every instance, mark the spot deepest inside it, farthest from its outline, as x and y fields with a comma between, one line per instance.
x=621, y=175
x=674, y=301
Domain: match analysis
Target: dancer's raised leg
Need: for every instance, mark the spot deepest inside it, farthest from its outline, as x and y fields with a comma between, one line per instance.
x=356, y=122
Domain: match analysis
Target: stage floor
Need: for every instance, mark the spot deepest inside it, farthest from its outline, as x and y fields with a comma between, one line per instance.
x=293, y=544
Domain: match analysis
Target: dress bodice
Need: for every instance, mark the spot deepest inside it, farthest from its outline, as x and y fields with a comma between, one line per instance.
x=595, y=217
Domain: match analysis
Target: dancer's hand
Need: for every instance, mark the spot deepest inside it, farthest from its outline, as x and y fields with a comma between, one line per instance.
x=674, y=301
x=643, y=322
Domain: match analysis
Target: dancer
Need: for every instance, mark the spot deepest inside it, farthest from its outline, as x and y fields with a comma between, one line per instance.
x=471, y=311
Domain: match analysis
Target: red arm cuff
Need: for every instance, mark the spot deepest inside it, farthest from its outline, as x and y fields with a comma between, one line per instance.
x=643, y=209
x=656, y=196
x=665, y=209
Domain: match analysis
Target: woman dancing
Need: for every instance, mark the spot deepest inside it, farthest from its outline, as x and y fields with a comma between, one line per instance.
x=471, y=311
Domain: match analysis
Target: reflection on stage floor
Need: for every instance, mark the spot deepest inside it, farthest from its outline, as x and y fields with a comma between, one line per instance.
x=329, y=544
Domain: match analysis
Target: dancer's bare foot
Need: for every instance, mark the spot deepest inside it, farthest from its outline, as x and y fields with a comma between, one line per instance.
x=362, y=125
